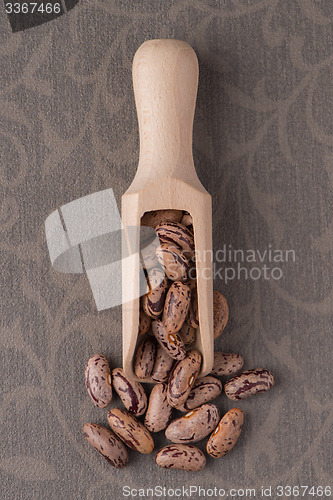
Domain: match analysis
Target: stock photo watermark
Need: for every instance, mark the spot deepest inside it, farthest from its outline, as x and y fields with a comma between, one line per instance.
x=87, y=235
x=263, y=492
x=229, y=264
x=251, y=264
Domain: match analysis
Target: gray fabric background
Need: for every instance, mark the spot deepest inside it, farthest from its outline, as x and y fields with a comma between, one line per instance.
x=263, y=147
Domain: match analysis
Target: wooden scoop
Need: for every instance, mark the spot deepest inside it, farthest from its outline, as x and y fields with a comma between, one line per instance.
x=165, y=80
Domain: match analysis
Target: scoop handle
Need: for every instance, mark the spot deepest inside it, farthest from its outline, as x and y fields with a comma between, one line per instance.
x=165, y=81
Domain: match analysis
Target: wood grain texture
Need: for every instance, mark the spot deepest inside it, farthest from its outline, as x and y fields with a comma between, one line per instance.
x=165, y=80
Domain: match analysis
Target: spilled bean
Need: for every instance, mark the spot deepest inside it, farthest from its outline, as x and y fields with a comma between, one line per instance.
x=221, y=313
x=224, y=438
x=248, y=383
x=204, y=389
x=98, y=380
x=144, y=358
x=106, y=444
x=159, y=411
x=193, y=426
x=181, y=456
x=130, y=430
x=193, y=312
x=226, y=363
x=130, y=392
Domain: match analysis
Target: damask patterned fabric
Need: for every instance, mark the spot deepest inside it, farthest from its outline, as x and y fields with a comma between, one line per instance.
x=263, y=148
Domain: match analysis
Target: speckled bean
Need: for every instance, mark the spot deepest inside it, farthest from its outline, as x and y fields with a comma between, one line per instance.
x=148, y=253
x=159, y=411
x=204, y=389
x=187, y=221
x=183, y=377
x=193, y=426
x=221, y=313
x=226, y=363
x=176, y=306
x=155, y=217
x=188, y=334
x=106, y=444
x=192, y=318
x=176, y=234
x=171, y=342
x=181, y=456
x=144, y=358
x=248, y=383
x=162, y=366
x=130, y=430
x=153, y=301
x=144, y=322
x=130, y=392
x=174, y=263
x=224, y=438
x=98, y=380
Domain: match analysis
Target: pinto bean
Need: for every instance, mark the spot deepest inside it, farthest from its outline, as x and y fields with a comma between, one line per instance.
x=248, y=383
x=174, y=263
x=183, y=377
x=226, y=363
x=224, y=438
x=193, y=312
x=176, y=306
x=181, y=456
x=144, y=322
x=98, y=380
x=155, y=217
x=144, y=358
x=178, y=235
x=171, y=342
x=107, y=444
x=130, y=392
x=153, y=301
x=193, y=426
x=221, y=313
x=204, y=389
x=130, y=430
x=162, y=366
x=159, y=411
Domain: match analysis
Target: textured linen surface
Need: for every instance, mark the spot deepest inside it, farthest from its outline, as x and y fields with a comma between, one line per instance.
x=263, y=148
